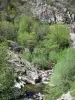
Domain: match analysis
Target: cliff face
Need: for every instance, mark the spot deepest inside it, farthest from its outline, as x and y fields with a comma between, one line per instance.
x=45, y=10
x=53, y=14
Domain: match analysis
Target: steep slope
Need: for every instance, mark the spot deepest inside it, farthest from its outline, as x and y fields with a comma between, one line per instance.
x=45, y=10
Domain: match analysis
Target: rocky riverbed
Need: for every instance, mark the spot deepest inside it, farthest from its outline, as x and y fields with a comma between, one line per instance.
x=28, y=78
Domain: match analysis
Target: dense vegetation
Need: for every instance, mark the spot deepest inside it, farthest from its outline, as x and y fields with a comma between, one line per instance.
x=63, y=76
x=6, y=73
x=40, y=39
x=48, y=46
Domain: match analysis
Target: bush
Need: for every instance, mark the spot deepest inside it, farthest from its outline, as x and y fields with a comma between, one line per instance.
x=48, y=45
x=41, y=54
x=40, y=58
x=57, y=56
x=49, y=2
x=8, y=31
x=64, y=71
x=41, y=62
x=28, y=56
x=25, y=35
x=25, y=24
x=41, y=31
x=60, y=35
x=6, y=73
x=52, y=92
x=72, y=89
x=63, y=76
x=28, y=40
x=6, y=78
x=31, y=32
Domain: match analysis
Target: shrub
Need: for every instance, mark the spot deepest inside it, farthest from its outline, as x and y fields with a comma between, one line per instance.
x=27, y=56
x=41, y=31
x=31, y=32
x=6, y=74
x=28, y=40
x=64, y=70
x=48, y=44
x=8, y=30
x=52, y=92
x=63, y=76
x=6, y=78
x=41, y=62
x=40, y=58
x=49, y=2
x=57, y=56
x=25, y=24
x=25, y=35
x=41, y=54
x=60, y=35
x=72, y=89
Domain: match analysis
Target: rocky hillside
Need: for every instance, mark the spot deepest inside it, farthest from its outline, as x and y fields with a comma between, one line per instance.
x=37, y=49
x=45, y=10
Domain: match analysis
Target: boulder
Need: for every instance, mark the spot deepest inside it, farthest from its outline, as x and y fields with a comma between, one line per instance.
x=52, y=14
x=66, y=96
x=14, y=46
x=32, y=95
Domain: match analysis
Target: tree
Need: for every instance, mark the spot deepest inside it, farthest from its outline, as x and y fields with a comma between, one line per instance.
x=8, y=30
x=60, y=35
x=64, y=73
x=41, y=31
x=26, y=36
x=63, y=77
x=25, y=24
x=28, y=40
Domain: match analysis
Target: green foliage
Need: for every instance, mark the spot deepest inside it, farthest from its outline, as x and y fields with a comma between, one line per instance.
x=60, y=35
x=64, y=75
x=52, y=92
x=40, y=58
x=27, y=56
x=3, y=15
x=25, y=35
x=41, y=53
x=6, y=78
x=8, y=30
x=6, y=74
x=48, y=44
x=72, y=89
x=56, y=56
x=25, y=24
x=64, y=70
x=31, y=32
x=41, y=62
x=49, y=2
x=41, y=39
x=11, y=9
x=29, y=24
x=28, y=40
x=41, y=31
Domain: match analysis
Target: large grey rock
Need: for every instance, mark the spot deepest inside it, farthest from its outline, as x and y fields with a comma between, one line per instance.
x=15, y=46
x=51, y=14
x=72, y=27
x=26, y=72
x=66, y=96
